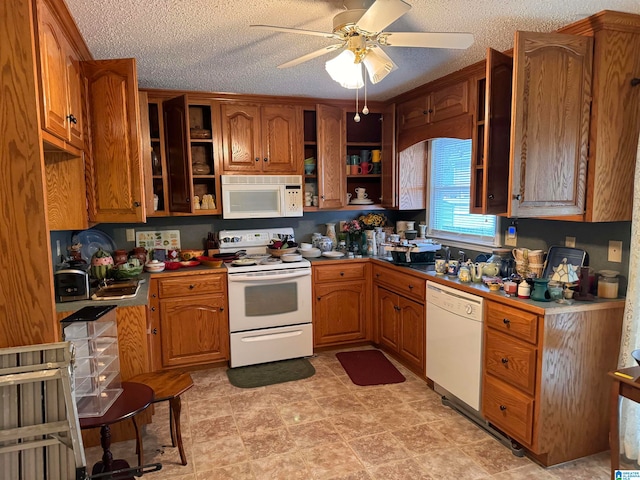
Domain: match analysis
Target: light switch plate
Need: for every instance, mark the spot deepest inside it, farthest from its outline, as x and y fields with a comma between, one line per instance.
x=570, y=242
x=511, y=239
x=615, y=251
x=131, y=235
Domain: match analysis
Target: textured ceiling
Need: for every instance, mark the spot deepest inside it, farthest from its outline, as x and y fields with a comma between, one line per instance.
x=207, y=44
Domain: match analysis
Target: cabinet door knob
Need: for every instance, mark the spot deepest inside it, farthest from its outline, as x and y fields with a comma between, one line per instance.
x=136, y=204
x=154, y=331
x=377, y=275
x=503, y=407
x=318, y=298
x=191, y=287
x=424, y=112
x=322, y=197
x=72, y=119
x=342, y=274
x=506, y=321
x=431, y=110
x=505, y=361
x=491, y=197
x=257, y=159
x=266, y=159
x=410, y=287
x=396, y=307
x=153, y=295
x=517, y=196
x=222, y=309
x=153, y=309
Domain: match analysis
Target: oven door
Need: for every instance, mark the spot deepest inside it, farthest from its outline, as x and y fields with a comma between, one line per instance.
x=272, y=298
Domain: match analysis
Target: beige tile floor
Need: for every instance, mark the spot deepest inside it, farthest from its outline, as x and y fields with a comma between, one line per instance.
x=325, y=427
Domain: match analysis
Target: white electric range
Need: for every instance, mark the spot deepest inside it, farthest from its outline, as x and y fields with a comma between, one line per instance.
x=269, y=301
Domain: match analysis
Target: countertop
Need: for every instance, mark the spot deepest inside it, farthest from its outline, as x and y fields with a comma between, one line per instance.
x=422, y=271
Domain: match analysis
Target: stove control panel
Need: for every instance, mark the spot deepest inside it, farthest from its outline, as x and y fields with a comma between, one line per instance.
x=245, y=240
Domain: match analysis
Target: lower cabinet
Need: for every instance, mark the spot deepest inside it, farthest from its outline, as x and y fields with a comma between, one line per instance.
x=189, y=320
x=545, y=379
x=340, y=307
x=400, y=316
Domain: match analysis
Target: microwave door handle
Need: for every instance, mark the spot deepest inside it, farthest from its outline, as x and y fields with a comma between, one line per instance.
x=268, y=278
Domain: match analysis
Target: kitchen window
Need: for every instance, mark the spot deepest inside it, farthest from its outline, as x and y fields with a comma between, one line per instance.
x=448, y=196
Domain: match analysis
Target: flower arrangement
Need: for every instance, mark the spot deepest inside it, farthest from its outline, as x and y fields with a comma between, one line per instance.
x=371, y=220
x=352, y=226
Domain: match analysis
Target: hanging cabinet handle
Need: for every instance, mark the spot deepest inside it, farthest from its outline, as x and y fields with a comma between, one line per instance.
x=505, y=361
x=72, y=119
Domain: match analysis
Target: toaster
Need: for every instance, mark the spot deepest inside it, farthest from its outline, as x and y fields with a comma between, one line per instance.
x=71, y=285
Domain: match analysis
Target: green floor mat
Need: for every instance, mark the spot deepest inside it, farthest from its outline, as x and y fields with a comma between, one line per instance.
x=270, y=373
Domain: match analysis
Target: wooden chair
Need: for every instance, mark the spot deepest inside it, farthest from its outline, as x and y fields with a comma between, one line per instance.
x=169, y=385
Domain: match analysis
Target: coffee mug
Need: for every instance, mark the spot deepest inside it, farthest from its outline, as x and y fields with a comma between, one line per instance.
x=355, y=169
x=354, y=160
x=377, y=168
x=441, y=266
x=366, y=167
x=375, y=156
x=361, y=193
x=365, y=155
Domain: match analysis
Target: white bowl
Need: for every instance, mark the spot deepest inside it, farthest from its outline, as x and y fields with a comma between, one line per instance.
x=310, y=252
x=291, y=257
x=305, y=246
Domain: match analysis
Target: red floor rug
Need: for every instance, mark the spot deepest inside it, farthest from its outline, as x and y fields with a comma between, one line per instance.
x=369, y=367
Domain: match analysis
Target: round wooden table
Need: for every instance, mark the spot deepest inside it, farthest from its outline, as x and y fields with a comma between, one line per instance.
x=135, y=398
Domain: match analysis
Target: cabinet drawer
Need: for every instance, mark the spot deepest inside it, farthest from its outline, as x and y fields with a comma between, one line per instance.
x=194, y=285
x=508, y=409
x=513, y=321
x=331, y=273
x=510, y=360
x=401, y=284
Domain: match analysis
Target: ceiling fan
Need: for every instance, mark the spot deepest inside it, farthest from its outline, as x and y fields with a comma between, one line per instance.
x=359, y=32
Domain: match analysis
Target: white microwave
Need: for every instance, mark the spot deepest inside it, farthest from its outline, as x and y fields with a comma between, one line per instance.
x=261, y=196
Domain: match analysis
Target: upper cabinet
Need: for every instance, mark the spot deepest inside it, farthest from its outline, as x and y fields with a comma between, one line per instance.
x=550, y=124
x=262, y=138
x=191, y=139
x=331, y=165
x=572, y=126
x=435, y=113
x=114, y=164
x=60, y=80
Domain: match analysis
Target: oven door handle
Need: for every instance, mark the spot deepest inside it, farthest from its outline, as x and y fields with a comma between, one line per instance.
x=268, y=278
x=271, y=336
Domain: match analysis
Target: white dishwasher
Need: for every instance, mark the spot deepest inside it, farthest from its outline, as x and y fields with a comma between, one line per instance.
x=454, y=343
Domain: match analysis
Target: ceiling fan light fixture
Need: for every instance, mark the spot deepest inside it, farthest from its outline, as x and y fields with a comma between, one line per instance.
x=378, y=64
x=345, y=71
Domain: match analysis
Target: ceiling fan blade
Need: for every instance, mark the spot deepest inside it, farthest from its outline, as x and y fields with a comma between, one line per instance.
x=378, y=64
x=299, y=31
x=312, y=55
x=382, y=14
x=426, y=39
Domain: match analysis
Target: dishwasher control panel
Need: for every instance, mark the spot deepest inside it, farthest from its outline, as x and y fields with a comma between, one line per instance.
x=455, y=301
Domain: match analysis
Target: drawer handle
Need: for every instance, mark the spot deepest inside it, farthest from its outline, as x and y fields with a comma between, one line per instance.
x=153, y=309
x=410, y=287
x=318, y=298
x=377, y=275
x=503, y=407
x=153, y=295
x=191, y=287
x=342, y=274
x=396, y=307
x=505, y=361
x=222, y=309
x=154, y=331
x=506, y=321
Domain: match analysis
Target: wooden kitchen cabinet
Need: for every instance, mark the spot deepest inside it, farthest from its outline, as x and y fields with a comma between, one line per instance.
x=114, y=166
x=189, y=320
x=341, y=303
x=262, y=139
x=545, y=373
x=584, y=73
x=192, y=151
x=60, y=79
x=400, y=316
x=331, y=162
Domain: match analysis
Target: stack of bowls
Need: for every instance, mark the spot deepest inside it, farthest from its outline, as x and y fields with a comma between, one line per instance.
x=309, y=165
x=309, y=251
x=154, y=266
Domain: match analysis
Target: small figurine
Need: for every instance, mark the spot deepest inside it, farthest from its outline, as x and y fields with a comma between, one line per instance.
x=196, y=202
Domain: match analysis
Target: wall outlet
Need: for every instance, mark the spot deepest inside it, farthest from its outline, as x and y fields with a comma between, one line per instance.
x=131, y=235
x=511, y=239
x=615, y=251
x=570, y=242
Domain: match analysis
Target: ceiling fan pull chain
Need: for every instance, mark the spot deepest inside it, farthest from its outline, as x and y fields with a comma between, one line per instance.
x=365, y=109
x=356, y=117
